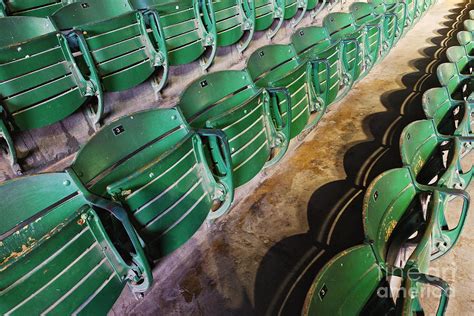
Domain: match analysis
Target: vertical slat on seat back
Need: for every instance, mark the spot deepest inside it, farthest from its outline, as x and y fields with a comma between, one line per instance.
x=278, y=66
x=418, y=143
x=385, y=203
x=38, y=84
x=314, y=43
x=116, y=37
x=38, y=8
x=228, y=100
x=345, y=284
x=152, y=162
x=55, y=255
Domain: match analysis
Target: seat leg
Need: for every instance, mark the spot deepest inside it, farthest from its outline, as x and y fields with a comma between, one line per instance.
x=10, y=148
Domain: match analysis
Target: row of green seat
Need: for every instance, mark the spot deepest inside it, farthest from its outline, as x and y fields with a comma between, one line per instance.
x=145, y=183
x=410, y=200
x=50, y=67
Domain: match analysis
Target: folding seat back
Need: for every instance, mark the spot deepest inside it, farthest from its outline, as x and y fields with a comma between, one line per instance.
x=450, y=117
x=278, y=66
x=469, y=25
x=392, y=9
x=154, y=164
x=459, y=88
x=422, y=150
x=41, y=8
x=313, y=43
x=229, y=101
x=393, y=212
x=114, y=38
x=345, y=284
x=458, y=56
x=189, y=28
x=235, y=22
x=466, y=40
x=269, y=13
x=341, y=27
x=40, y=82
x=295, y=10
x=381, y=34
x=56, y=256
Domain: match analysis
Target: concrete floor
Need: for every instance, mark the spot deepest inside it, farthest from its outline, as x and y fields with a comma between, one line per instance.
x=261, y=257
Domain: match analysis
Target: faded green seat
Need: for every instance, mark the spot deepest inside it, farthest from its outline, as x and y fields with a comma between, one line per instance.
x=315, y=7
x=451, y=117
x=274, y=66
x=155, y=165
x=235, y=22
x=392, y=8
x=384, y=25
x=268, y=13
x=458, y=56
x=56, y=256
x=189, y=29
x=291, y=11
x=40, y=82
x=424, y=151
x=459, y=87
x=230, y=101
x=313, y=43
x=469, y=25
x=114, y=38
x=466, y=40
x=38, y=8
x=357, y=57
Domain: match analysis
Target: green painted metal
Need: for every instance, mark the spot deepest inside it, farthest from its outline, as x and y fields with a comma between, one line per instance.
x=295, y=10
x=37, y=8
x=451, y=117
x=422, y=149
x=40, y=82
x=235, y=22
x=155, y=165
x=230, y=101
x=458, y=86
x=469, y=25
x=384, y=26
x=189, y=29
x=268, y=13
x=275, y=66
x=354, y=57
x=466, y=40
x=458, y=56
x=315, y=7
x=314, y=44
x=391, y=9
x=56, y=256
x=345, y=284
x=113, y=39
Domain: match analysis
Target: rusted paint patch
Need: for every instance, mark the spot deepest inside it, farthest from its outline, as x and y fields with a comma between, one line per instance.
x=390, y=228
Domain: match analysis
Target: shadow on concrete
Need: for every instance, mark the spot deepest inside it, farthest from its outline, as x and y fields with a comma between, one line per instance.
x=335, y=209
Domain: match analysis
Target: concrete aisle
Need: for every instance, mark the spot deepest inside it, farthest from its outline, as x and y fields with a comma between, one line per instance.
x=261, y=257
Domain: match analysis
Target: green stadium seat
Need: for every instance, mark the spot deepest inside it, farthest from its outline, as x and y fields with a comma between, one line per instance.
x=313, y=43
x=235, y=22
x=189, y=29
x=269, y=13
x=274, y=66
x=424, y=151
x=40, y=82
x=464, y=64
x=56, y=254
x=114, y=38
x=156, y=167
x=466, y=40
x=230, y=101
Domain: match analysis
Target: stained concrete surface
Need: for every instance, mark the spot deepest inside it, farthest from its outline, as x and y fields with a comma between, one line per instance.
x=260, y=259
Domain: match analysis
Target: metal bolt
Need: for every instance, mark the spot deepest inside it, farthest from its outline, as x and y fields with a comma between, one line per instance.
x=66, y=183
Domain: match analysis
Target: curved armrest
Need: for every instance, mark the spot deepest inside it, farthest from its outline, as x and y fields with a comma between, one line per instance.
x=225, y=180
